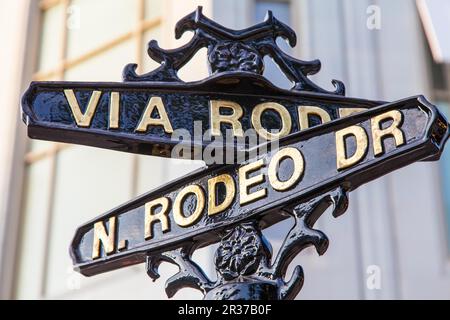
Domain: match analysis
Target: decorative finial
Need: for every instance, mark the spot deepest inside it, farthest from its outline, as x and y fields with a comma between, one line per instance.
x=232, y=51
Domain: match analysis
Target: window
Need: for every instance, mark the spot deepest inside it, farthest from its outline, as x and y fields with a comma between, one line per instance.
x=435, y=20
x=59, y=194
x=281, y=11
x=441, y=97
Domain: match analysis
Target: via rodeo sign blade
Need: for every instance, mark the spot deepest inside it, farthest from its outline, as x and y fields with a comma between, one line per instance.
x=327, y=146
x=146, y=114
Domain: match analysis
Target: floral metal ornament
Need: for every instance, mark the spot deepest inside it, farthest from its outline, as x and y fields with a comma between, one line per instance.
x=240, y=252
x=235, y=56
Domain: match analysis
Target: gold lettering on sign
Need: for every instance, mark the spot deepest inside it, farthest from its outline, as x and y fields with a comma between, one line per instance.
x=216, y=118
x=345, y=112
x=393, y=130
x=101, y=237
x=230, y=191
x=360, y=135
x=245, y=182
x=286, y=123
x=178, y=214
x=305, y=111
x=161, y=216
x=82, y=119
x=122, y=244
x=114, y=105
x=147, y=120
x=274, y=164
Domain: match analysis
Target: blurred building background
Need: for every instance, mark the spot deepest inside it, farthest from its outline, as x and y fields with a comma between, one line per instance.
x=393, y=242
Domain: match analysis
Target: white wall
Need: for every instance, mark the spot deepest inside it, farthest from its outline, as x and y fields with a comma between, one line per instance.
x=13, y=27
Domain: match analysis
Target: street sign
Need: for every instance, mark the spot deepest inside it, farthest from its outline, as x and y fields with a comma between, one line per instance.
x=145, y=117
x=197, y=209
x=327, y=145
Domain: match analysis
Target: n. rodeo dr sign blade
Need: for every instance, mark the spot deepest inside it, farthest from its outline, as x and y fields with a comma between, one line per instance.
x=341, y=154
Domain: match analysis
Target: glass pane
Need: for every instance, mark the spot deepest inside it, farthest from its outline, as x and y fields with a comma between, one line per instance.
x=92, y=23
x=51, y=38
x=197, y=68
x=282, y=13
x=178, y=167
x=445, y=169
x=89, y=182
x=40, y=145
x=152, y=171
x=104, y=67
x=33, y=227
x=435, y=18
x=153, y=9
x=148, y=64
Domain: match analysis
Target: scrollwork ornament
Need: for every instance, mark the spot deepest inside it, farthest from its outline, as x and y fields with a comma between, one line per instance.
x=231, y=51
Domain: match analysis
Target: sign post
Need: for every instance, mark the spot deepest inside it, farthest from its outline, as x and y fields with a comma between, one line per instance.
x=327, y=145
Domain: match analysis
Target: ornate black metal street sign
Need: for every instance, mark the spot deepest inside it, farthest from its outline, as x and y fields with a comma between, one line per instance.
x=328, y=145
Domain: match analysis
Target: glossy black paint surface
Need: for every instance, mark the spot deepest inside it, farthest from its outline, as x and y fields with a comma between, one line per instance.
x=48, y=115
